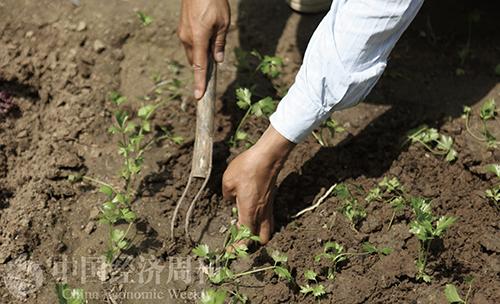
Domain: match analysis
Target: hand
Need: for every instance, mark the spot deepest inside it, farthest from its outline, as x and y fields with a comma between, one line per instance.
x=203, y=26
x=250, y=180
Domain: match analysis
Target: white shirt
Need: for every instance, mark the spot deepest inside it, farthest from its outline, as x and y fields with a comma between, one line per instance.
x=344, y=59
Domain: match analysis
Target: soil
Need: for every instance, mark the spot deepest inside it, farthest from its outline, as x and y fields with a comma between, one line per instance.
x=59, y=61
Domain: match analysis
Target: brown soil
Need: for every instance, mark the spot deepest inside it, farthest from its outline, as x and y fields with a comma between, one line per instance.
x=51, y=64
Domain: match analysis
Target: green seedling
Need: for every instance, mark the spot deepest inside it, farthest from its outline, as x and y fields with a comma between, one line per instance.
x=426, y=227
x=334, y=253
x=132, y=144
x=235, y=248
x=487, y=112
x=317, y=290
x=451, y=293
x=332, y=126
x=67, y=295
x=262, y=108
x=212, y=296
x=437, y=144
x=270, y=66
x=392, y=192
x=145, y=19
x=494, y=192
x=351, y=209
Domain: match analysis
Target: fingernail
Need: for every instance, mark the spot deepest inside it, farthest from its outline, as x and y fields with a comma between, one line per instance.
x=219, y=57
x=198, y=94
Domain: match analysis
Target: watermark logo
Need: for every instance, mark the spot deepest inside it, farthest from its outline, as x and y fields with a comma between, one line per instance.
x=23, y=277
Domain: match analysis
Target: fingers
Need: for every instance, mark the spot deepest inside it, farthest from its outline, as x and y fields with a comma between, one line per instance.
x=219, y=43
x=200, y=65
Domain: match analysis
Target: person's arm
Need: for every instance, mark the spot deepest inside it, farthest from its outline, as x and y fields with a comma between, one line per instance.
x=344, y=59
x=203, y=27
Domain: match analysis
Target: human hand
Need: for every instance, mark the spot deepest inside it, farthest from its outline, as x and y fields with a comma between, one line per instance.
x=250, y=181
x=203, y=26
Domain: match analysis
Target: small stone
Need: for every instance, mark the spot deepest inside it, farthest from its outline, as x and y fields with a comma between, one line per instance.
x=94, y=214
x=61, y=247
x=29, y=34
x=99, y=46
x=89, y=228
x=82, y=26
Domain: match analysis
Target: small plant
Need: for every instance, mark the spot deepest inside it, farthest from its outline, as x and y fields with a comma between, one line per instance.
x=332, y=126
x=451, y=293
x=334, y=253
x=317, y=290
x=494, y=192
x=67, y=295
x=212, y=296
x=270, y=66
x=437, y=144
x=117, y=207
x=145, y=19
x=350, y=208
x=487, y=112
x=262, y=108
x=426, y=227
x=392, y=192
x=466, y=52
x=234, y=248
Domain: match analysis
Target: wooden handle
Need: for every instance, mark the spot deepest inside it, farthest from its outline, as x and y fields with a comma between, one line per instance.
x=204, y=138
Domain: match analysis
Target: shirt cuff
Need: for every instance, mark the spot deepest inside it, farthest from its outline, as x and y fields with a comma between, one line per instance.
x=296, y=116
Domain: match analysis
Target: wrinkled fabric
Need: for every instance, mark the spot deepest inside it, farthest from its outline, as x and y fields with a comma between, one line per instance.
x=345, y=57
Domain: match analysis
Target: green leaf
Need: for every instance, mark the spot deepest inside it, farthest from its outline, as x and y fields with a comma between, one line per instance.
x=117, y=98
x=128, y=215
x=271, y=66
x=220, y=276
x=279, y=257
x=145, y=19
x=497, y=69
x=117, y=235
x=451, y=293
x=243, y=98
x=212, y=296
x=240, y=135
x=306, y=289
x=310, y=275
x=177, y=139
x=445, y=143
x=67, y=295
x=283, y=273
x=318, y=290
x=146, y=111
x=488, y=109
x=121, y=117
x=106, y=190
x=264, y=107
x=201, y=251
x=443, y=224
x=451, y=155
x=369, y=248
x=493, y=168
x=467, y=110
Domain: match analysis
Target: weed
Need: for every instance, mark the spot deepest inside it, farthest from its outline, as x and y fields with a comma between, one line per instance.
x=212, y=296
x=262, y=108
x=234, y=248
x=437, y=144
x=392, y=192
x=332, y=126
x=451, y=293
x=350, y=208
x=487, y=112
x=145, y=19
x=67, y=295
x=426, y=227
x=116, y=208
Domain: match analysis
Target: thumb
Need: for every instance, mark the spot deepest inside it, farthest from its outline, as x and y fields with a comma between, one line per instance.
x=219, y=45
x=200, y=63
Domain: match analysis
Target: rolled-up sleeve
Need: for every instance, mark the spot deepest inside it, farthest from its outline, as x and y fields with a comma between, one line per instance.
x=344, y=59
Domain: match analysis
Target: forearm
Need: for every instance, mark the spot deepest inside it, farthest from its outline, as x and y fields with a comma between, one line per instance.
x=344, y=59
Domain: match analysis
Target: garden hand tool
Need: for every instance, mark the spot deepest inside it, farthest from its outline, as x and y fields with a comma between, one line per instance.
x=201, y=165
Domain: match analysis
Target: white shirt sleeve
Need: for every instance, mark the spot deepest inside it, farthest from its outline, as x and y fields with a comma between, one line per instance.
x=344, y=59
